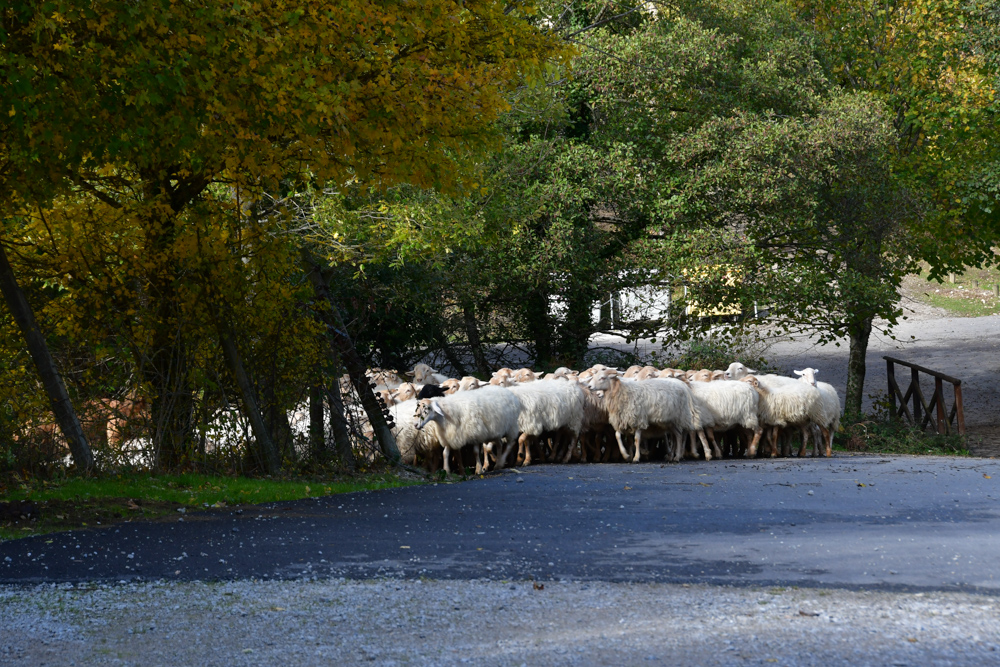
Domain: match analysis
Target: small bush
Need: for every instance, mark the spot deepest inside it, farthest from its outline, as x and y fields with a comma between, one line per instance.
x=887, y=437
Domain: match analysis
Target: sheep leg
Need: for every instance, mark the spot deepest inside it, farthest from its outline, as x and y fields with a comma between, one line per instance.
x=447, y=460
x=773, y=439
x=704, y=445
x=805, y=440
x=573, y=438
x=524, y=443
x=710, y=432
x=638, y=441
x=827, y=440
x=621, y=446
x=506, y=449
x=752, y=449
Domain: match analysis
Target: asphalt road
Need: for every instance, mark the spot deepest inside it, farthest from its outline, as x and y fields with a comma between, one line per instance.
x=890, y=523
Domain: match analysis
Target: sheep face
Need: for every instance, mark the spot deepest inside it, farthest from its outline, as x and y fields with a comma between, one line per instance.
x=718, y=375
x=808, y=375
x=427, y=411
x=603, y=381
x=450, y=386
x=526, y=375
x=704, y=375
x=648, y=372
x=469, y=383
x=738, y=371
x=632, y=371
x=405, y=392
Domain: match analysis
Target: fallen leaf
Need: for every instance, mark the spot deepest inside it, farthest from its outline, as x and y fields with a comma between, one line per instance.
x=628, y=488
x=987, y=476
x=860, y=484
x=277, y=609
x=131, y=504
x=808, y=613
x=912, y=640
x=404, y=547
x=538, y=587
x=703, y=484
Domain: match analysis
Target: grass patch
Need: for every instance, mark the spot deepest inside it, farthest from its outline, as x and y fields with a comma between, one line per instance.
x=962, y=305
x=879, y=437
x=971, y=295
x=80, y=502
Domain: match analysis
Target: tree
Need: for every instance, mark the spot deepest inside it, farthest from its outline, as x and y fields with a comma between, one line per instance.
x=820, y=220
x=150, y=109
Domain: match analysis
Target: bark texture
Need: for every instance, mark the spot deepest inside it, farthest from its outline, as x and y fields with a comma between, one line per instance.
x=62, y=407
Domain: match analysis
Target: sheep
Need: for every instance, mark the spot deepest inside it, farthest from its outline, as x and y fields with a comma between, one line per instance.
x=526, y=375
x=723, y=405
x=595, y=429
x=827, y=417
x=409, y=440
x=647, y=373
x=384, y=379
x=469, y=383
x=561, y=373
x=424, y=374
x=548, y=407
x=718, y=375
x=405, y=392
x=784, y=402
x=471, y=418
x=738, y=371
x=704, y=375
x=450, y=386
x=431, y=391
x=653, y=405
x=631, y=372
x=500, y=376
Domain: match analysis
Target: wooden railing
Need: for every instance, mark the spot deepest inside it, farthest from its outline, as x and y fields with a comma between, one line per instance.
x=925, y=412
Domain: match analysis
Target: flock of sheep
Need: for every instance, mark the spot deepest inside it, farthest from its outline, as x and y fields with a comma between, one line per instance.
x=603, y=414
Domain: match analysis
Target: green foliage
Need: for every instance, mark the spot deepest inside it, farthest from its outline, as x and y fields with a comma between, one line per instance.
x=880, y=437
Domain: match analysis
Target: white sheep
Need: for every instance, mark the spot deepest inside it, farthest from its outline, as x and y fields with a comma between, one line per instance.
x=724, y=405
x=827, y=414
x=653, y=407
x=424, y=374
x=469, y=383
x=471, y=418
x=548, y=406
x=738, y=371
x=409, y=440
x=784, y=402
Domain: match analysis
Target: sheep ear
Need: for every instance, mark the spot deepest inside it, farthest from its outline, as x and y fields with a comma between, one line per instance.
x=437, y=409
x=799, y=372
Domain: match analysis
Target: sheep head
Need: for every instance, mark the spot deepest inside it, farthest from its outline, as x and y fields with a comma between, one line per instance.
x=755, y=383
x=704, y=375
x=469, y=383
x=526, y=375
x=718, y=375
x=738, y=371
x=450, y=386
x=405, y=392
x=808, y=375
x=428, y=410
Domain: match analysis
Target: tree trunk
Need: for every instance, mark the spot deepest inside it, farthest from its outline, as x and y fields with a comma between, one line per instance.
x=266, y=448
x=338, y=425
x=317, y=441
x=449, y=354
x=577, y=328
x=62, y=408
x=343, y=347
x=475, y=342
x=539, y=328
x=858, y=334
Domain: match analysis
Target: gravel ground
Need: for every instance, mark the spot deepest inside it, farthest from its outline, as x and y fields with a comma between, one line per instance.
x=489, y=623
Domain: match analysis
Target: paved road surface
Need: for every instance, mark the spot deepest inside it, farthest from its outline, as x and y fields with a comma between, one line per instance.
x=855, y=522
